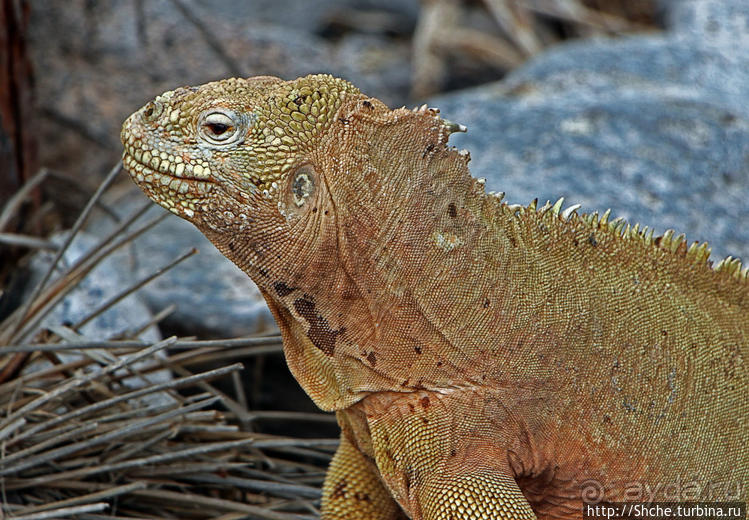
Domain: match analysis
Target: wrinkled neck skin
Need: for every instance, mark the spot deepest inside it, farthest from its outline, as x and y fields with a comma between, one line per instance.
x=384, y=282
x=365, y=298
x=423, y=247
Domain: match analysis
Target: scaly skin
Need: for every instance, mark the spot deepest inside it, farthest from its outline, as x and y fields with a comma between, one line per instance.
x=484, y=360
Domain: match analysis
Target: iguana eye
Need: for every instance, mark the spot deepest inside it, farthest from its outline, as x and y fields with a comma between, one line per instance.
x=219, y=127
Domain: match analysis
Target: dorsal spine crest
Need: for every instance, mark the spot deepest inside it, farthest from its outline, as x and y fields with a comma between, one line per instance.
x=697, y=253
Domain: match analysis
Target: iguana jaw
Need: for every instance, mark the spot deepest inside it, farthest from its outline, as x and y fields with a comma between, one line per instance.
x=164, y=186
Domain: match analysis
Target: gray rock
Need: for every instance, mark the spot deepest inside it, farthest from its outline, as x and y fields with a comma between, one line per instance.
x=375, y=65
x=304, y=16
x=213, y=296
x=103, y=283
x=655, y=127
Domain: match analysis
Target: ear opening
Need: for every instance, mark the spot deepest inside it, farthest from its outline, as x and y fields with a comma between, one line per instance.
x=300, y=190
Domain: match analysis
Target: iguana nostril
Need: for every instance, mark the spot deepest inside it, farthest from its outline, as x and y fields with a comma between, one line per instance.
x=152, y=111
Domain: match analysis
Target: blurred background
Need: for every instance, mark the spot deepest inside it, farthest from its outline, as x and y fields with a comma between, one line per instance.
x=635, y=105
x=80, y=67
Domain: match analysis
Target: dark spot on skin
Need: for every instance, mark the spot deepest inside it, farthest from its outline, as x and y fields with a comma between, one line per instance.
x=339, y=490
x=439, y=363
x=575, y=242
x=405, y=383
x=282, y=289
x=452, y=210
x=262, y=272
x=424, y=401
x=417, y=348
x=411, y=407
x=326, y=211
x=429, y=148
x=513, y=242
x=372, y=358
x=453, y=453
x=367, y=104
x=314, y=210
x=362, y=497
x=592, y=240
x=425, y=420
x=319, y=333
x=258, y=249
x=343, y=120
x=487, y=303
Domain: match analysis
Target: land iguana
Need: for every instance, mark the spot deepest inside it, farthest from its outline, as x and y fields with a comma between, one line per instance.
x=485, y=360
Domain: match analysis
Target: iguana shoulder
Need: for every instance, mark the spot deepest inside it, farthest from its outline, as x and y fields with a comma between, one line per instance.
x=472, y=348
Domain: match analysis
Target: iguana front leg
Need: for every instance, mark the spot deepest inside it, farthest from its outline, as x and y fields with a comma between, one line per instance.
x=353, y=491
x=441, y=458
x=481, y=488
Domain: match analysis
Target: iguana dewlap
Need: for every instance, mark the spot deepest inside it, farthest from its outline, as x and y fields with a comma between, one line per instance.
x=485, y=360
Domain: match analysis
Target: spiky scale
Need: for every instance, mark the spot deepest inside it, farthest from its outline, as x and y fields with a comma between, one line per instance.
x=605, y=217
x=557, y=206
x=567, y=213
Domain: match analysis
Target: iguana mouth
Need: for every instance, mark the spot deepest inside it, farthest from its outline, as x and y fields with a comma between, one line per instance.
x=173, y=185
x=170, y=171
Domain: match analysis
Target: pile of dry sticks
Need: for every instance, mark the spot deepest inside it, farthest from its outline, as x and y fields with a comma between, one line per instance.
x=99, y=436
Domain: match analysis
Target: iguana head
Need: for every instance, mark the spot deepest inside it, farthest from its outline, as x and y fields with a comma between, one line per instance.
x=293, y=181
x=198, y=150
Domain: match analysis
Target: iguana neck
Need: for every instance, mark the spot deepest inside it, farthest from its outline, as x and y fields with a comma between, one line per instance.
x=405, y=243
x=464, y=290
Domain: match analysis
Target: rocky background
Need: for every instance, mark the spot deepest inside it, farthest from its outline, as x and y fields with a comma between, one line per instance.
x=637, y=106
